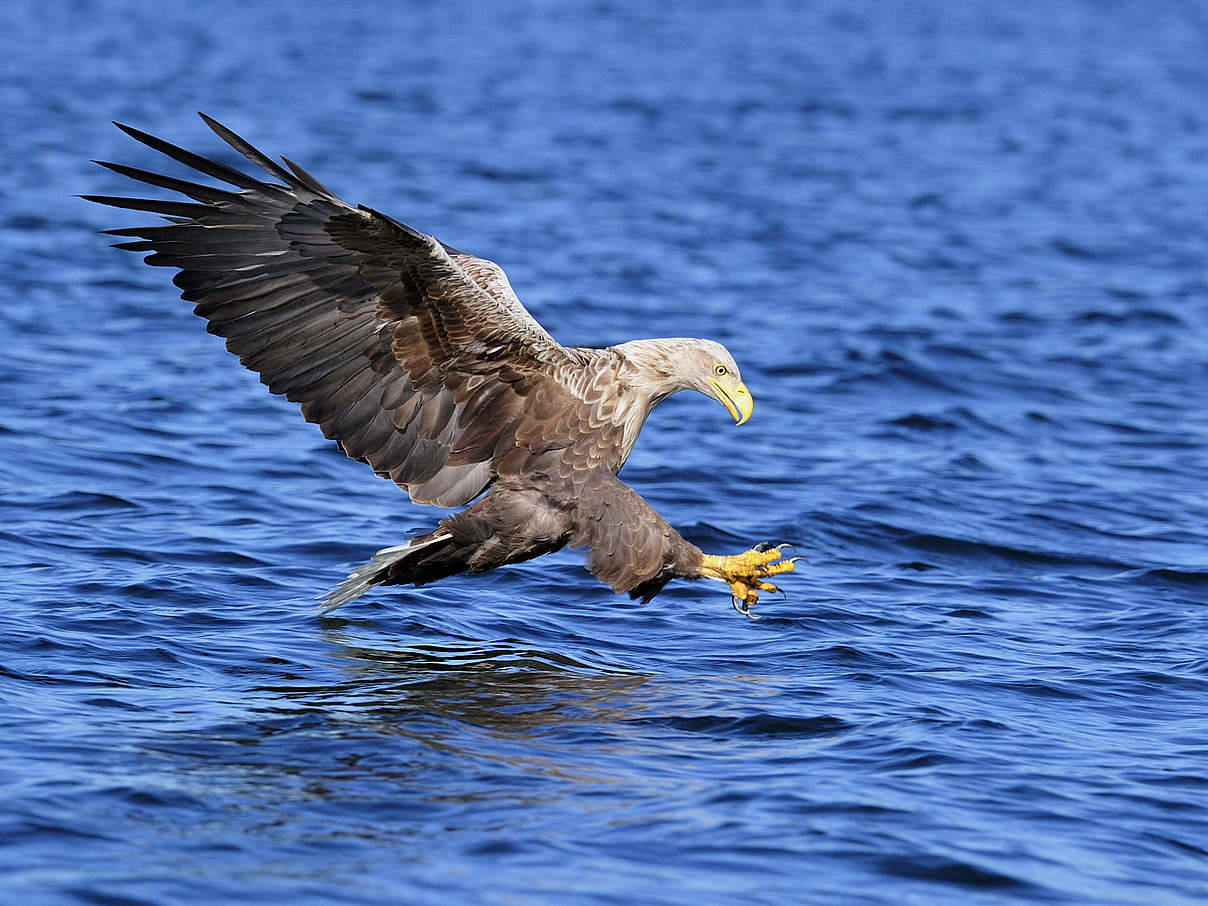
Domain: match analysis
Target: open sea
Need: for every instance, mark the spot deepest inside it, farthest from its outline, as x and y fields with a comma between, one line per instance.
x=960, y=251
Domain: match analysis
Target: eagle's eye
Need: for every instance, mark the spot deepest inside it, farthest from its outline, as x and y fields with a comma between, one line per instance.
x=720, y=370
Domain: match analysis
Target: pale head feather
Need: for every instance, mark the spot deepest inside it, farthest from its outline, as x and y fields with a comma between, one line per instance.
x=668, y=365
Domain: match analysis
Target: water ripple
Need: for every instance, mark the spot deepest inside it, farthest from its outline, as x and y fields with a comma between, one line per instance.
x=958, y=252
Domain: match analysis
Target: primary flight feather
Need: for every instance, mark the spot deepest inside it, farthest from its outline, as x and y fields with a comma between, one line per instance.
x=420, y=361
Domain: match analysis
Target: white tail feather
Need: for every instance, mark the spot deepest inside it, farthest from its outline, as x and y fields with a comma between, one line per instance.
x=367, y=575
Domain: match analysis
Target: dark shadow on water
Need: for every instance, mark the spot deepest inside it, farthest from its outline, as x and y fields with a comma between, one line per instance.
x=428, y=727
x=502, y=686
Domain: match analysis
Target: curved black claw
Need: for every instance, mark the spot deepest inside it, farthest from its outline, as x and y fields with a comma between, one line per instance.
x=743, y=608
x=770, y=545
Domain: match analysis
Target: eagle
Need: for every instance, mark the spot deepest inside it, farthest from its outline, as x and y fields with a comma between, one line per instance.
x=419, y=360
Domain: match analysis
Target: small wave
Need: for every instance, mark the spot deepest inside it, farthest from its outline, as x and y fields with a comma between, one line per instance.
x=1072, y=249
x=917, y=421
x=1188, y=577
x=87, y=501
x=965, y=548
x=760, y=725
x=958, y=418
x=948, y=871
x=1136, y=316
x=890, y=367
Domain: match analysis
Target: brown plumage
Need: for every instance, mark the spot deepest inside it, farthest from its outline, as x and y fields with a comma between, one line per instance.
x=420, y=361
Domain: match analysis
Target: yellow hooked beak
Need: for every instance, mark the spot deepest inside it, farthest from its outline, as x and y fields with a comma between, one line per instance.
x=737, y=400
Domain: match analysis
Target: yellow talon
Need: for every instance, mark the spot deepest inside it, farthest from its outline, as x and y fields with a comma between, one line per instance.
x=752, y=559
x=744, y=573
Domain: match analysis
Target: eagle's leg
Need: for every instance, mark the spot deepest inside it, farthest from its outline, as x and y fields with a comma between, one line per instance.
x=745, y=573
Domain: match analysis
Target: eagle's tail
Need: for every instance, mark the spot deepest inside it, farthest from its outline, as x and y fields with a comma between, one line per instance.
x=505, y=526
x=420, y=560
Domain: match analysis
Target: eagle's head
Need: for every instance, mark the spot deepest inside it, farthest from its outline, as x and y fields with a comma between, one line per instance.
x=713, y=371
x=674, y=364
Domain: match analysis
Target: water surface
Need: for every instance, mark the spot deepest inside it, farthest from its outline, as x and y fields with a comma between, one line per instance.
x=959, y=253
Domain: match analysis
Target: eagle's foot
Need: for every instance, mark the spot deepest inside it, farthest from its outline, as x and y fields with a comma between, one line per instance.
x=745, y=573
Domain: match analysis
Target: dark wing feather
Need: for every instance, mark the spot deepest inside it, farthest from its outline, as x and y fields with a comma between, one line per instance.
x=412, y=355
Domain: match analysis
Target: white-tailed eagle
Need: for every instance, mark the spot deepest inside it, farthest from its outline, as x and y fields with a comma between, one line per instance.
x=419, y=360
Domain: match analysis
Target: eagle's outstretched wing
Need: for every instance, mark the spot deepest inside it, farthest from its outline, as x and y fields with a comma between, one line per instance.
x=410, y=354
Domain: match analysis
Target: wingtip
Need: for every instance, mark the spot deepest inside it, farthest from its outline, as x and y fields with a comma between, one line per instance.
x=110, y=200
x=217, y=128
x=214, y=125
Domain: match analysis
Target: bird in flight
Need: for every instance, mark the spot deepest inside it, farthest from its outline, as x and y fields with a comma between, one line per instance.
x=419, y=360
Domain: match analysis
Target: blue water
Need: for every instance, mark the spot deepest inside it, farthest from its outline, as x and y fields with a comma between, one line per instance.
x=959, y=252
